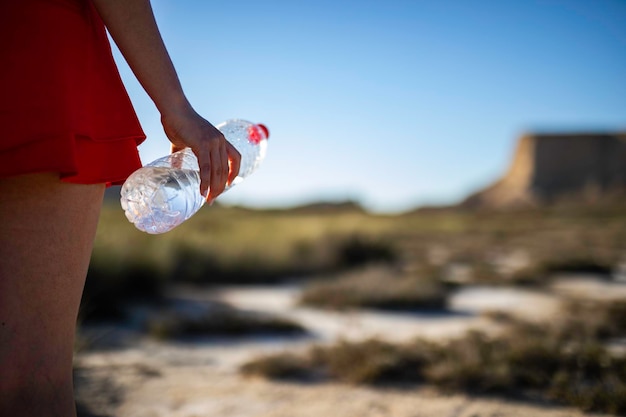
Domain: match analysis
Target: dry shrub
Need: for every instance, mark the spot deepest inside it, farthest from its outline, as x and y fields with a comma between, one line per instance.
x=357, y=250
x=219, y=321
x=381, y=287
x=280, y=367
x=564, y=361
x=369, y=362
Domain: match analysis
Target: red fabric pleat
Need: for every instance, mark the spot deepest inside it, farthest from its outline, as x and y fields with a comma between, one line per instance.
x=63, y=107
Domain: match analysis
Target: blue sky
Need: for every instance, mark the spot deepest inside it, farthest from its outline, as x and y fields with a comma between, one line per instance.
x=391, y=103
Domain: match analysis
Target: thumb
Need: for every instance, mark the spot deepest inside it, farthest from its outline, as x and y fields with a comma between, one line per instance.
x=175, y=148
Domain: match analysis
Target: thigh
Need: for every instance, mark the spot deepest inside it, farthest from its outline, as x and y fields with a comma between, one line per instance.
x=47, y=229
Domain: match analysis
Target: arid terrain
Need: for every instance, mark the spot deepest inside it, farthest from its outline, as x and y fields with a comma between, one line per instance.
x=229, y=314
x=143, y=377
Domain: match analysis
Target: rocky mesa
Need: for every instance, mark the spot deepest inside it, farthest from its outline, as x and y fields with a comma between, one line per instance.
x=552, y=167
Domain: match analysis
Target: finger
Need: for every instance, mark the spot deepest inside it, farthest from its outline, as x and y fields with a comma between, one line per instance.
x=175, y=148
x=204, y=163
x=216, y=181
x=225, y=165
x=176, y=161
x=234, y=162
x=222, y=173
x=205, y=176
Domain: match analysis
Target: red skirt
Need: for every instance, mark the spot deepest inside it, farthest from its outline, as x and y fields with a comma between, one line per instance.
x=63, y=107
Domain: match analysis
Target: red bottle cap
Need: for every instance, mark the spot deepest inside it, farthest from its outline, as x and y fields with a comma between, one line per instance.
x=265, y=130
x=256, y=133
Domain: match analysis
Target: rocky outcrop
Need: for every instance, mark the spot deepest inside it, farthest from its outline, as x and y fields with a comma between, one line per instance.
x=548, y=168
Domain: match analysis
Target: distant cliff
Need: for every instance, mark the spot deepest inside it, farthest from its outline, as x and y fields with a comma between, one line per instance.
x=548, y=168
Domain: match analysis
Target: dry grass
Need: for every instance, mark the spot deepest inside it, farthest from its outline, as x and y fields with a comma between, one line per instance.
x=225, y=246
x=393, y=262
x=565, y=361
x=218, y=322
x=378, y=286
x=232, y=245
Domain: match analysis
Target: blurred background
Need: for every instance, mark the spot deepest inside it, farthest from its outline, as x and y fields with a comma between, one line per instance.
x=397, y=103
x=439, y=224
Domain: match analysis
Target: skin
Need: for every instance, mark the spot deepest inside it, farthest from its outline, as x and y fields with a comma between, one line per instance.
x=131, y=24
x=47, y=231
x=42, y=273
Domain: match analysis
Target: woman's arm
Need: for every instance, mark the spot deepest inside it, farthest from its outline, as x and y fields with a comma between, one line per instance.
x=132, y=26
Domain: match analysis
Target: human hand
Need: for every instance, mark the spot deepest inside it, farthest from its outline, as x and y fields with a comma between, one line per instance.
x=218, y=159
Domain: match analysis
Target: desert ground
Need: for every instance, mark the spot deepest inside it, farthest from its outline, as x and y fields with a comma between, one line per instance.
x=126, y=374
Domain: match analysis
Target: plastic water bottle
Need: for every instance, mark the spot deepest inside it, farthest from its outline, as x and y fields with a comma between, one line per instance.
x=166, y=192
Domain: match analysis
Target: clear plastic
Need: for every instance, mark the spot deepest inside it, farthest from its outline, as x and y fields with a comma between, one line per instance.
x=166, y=192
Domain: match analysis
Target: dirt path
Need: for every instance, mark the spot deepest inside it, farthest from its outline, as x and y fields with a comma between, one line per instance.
x=183, y=383
x=152, y=379
x=193, y=382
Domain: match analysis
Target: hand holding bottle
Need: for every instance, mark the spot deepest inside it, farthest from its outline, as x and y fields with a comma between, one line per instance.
x=166, y=192
x=217, y=158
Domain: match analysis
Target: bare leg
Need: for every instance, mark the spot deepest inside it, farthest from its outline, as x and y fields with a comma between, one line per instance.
x=47, y=229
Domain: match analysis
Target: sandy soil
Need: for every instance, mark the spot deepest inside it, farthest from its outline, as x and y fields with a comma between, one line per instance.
x=145, y=378
x=193, y=390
